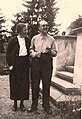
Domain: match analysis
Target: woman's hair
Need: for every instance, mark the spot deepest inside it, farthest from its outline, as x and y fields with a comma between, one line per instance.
x=20, y=26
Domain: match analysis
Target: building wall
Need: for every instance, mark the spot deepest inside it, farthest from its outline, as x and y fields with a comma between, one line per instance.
x=66, y=46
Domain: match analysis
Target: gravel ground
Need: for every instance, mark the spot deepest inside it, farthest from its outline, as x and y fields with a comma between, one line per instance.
x=6, y=105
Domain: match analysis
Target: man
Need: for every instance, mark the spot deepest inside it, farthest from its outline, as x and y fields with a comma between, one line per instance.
x=42, y=50
x=17, y=56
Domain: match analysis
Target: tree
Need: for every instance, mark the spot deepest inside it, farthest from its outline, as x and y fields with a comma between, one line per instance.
x=2, y=20
x=36, y=11
x=75, y=24
x=18, y=19
x=41, y=9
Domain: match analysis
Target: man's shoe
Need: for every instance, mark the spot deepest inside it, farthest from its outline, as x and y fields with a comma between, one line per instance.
x=31, y=110
x=48, y=111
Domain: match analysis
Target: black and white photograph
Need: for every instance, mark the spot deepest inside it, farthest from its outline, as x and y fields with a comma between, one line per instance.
x=40, y=59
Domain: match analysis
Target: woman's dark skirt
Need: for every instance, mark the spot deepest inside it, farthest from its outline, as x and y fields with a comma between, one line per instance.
x=19, y=79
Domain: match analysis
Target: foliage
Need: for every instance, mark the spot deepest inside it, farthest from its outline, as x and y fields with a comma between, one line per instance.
x=71, y=108
x=18, y=19
x=2, y=20
x=75, y=24
x=36, y=11
x=40, y=9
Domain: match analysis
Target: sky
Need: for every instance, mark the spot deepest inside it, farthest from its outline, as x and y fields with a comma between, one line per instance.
x=68, y=12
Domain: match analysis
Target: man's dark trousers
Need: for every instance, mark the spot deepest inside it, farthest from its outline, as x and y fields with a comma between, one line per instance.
x=41, y=69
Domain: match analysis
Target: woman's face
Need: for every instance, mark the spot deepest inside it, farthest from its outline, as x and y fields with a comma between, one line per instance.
x=24, y=31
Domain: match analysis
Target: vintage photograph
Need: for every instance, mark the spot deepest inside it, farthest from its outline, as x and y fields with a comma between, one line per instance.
x=40, y=59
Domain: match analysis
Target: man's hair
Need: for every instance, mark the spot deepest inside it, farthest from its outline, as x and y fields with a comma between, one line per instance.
x=20, y=26
x=42, y=22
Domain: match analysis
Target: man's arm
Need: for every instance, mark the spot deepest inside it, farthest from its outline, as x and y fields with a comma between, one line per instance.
x=52, y=51
x=33, y=53
x=8, y=54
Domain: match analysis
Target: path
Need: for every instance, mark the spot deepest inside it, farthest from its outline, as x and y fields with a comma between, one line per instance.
x=6, y=105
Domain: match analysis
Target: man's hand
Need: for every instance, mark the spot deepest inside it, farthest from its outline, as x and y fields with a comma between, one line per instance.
x=38, y=54
x=35, y=54
x=53, y=53
x=48, y=50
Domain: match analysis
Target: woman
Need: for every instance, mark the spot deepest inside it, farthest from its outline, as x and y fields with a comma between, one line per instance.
x=17, y=56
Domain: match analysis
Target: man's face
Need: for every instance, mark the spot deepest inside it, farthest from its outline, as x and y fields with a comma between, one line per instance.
x=44, y=27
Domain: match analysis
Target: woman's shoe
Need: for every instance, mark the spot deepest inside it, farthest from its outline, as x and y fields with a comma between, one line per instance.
x=14, y=108
x=22, y=107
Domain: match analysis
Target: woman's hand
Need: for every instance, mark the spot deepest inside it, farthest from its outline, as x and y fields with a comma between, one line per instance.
x=11, y=68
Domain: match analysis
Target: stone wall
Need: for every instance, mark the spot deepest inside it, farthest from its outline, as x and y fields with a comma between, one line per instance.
x=78, y=59
x=66, y=46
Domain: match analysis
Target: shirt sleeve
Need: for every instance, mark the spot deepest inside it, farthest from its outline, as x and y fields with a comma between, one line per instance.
x=53, y=49
x=9, y=53
x=32, y=48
